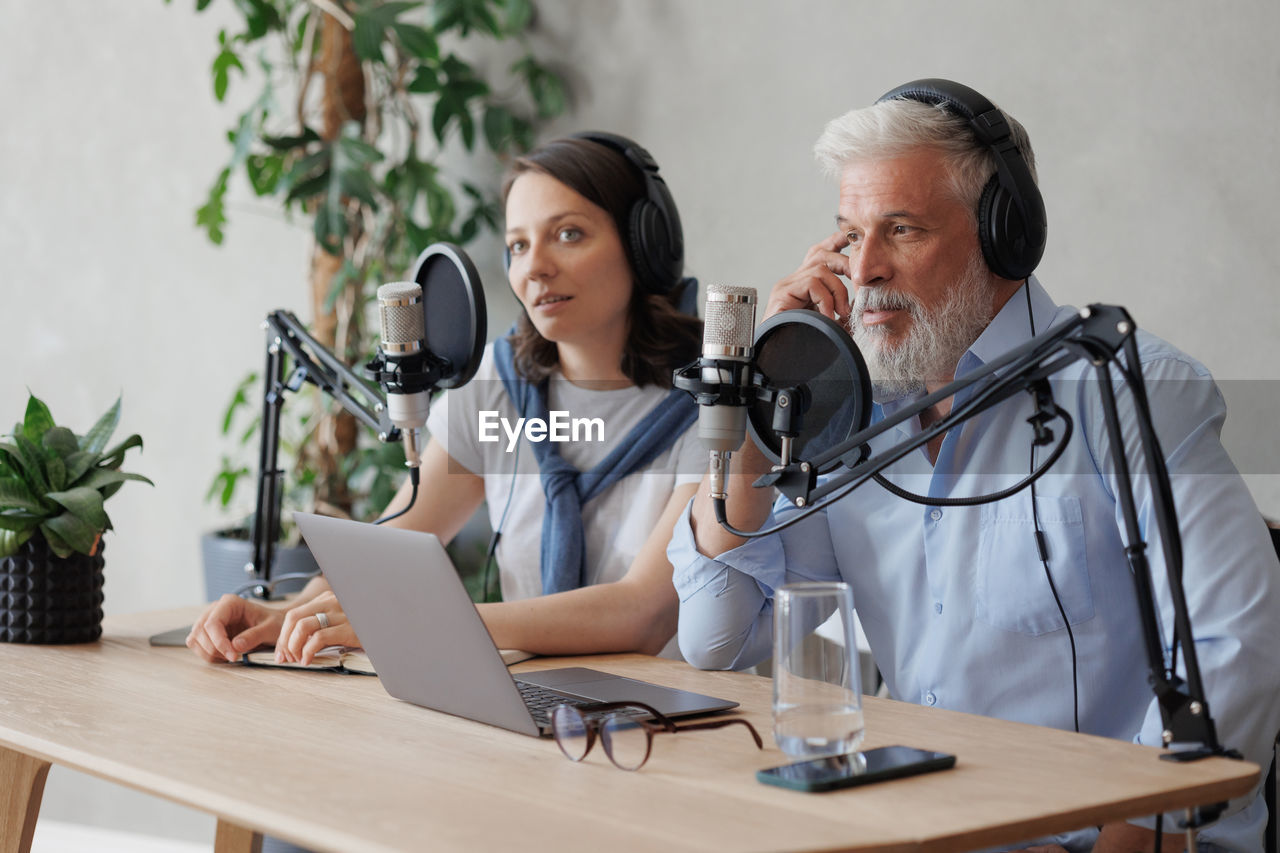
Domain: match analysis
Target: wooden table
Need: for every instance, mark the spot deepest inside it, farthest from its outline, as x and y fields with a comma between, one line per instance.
x=333, y=763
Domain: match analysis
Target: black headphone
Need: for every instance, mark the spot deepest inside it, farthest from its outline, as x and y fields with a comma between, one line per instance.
x=1011, y=220
x=654, y=239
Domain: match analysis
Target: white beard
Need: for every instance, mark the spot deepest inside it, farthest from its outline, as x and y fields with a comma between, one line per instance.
x=935, y=340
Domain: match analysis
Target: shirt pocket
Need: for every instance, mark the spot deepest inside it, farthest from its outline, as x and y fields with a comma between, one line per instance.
x=1013, y=593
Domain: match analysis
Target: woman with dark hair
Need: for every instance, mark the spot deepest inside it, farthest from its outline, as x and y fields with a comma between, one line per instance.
x=583, y=505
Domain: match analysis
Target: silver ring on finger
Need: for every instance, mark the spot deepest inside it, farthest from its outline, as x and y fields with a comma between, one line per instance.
x=322, y=619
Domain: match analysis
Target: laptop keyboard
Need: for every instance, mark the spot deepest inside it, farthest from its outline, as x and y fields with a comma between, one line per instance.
x=541, y=701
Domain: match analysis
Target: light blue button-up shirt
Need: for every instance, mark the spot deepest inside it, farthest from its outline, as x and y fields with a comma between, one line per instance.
x=955, y=601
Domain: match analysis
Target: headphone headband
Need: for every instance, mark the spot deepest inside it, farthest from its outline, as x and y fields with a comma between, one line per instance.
x=654, y=238
x=1012, y=227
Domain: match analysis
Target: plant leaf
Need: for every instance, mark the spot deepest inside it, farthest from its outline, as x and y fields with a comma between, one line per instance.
x=425, y=80
x=417, y=41
x=28, y=456
x=14, y=494
x=308, y=189
x=463, y=82
x=366, y=37
x=446, y=14
x=446, y=106
x=238, y=399
x=468, y=127
x=78, y=463
x=56, y=470
x=260, y=16
x=371, y=27
x=264, y=172
x=498, y=125
x=250, y=431
x=100, y=433
x=464, y=16
x=113, y=457
x=56, y=543
x=19, y=521
x=284, y=144
x=348, y=177
x=12, y=540
x=339, y=281
x=395, y=10
x=224, y=484
x=222, y=65
x=211, y=215
x=242, y=137
x=107, y=476
x=519, y=15
x=37, y=419
x=440, y=205
x=352, y=152
x=70, y=532
x=523, y=133
x=60, y=441
x=548, y=93
x=85, y=504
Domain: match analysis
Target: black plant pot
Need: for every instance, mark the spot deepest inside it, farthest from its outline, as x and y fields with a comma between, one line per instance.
x=47, y=599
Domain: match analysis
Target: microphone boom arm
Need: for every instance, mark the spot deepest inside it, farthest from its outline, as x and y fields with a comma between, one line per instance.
x=313, y=363
x=1099, y=334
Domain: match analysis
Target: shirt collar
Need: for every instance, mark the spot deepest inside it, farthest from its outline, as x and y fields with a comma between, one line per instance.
x=1010, y=326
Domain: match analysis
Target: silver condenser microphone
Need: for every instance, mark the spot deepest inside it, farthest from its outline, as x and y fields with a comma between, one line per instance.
x=403, y=345
x=728, y=326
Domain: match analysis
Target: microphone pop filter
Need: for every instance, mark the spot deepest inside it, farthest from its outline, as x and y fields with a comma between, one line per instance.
x=455, y=322
x=804, y=348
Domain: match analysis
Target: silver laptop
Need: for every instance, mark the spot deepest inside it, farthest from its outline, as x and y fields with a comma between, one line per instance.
x=429, y=645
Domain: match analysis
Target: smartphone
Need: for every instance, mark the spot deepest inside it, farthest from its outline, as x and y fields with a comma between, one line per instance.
x=856, y=768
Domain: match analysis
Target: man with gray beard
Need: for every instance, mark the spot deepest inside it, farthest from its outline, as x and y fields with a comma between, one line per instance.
x=1022, y=608
x=935, y=338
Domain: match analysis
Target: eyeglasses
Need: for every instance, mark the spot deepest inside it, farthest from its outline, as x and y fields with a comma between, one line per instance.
x=627, y=738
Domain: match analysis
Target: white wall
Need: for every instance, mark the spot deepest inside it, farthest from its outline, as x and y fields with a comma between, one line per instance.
x=1155, y=125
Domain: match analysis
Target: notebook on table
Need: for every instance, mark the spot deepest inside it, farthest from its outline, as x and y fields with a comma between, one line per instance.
x=429, y=645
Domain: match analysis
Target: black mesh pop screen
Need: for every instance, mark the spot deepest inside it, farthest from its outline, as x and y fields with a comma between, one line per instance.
x=804, y=348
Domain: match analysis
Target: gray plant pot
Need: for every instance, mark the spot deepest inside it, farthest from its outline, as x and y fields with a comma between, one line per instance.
x=227, y=552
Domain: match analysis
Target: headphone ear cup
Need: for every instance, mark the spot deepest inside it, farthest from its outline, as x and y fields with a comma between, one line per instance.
x=1002, y=233
x=986, y=239
x=649, y=246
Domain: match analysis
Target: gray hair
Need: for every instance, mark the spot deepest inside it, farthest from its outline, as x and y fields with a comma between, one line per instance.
x=893, y=128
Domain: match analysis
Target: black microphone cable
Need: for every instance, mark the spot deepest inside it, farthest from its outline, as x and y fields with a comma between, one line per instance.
x=413, y=496
x=490, y=552
x=1042, y=547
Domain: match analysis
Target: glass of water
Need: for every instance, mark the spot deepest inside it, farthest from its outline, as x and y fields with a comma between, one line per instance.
x=817, y=696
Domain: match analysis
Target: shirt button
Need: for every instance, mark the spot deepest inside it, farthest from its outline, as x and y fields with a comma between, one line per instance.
x=936, y=514
x=930, y=699
x=937, y=608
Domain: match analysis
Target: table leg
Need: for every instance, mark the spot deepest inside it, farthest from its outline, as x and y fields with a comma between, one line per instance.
x=21, y=789
x=236, y=839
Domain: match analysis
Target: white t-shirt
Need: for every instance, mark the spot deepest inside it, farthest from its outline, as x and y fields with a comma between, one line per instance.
x=616, y=522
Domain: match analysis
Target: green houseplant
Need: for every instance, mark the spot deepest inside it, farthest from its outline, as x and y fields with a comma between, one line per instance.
x=53, y=484
x=354, y=112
